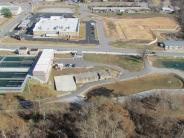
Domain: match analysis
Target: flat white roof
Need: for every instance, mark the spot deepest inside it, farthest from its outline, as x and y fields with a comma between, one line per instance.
x=41, y=69
x=57, y=24
x=65, y=83
x=44, y=62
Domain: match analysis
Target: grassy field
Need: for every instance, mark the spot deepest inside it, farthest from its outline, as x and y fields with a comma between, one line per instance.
x=35, y=91
x=129, y=29
x=11, y=41
x=149, y=82
x=4, y=53
x=3, y=21
x=131, y=63
x=135, y=15
x=168, y=62
x=67, y=71
x=71, y=71
x=82, y=33
x=134, y=45
x=68, y=55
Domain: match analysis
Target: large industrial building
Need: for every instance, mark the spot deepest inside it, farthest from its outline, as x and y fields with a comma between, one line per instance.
x=57, y=26
x=44, y=65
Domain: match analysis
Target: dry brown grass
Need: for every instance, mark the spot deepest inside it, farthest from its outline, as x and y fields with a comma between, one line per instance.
x=82, y=33
x=71, y=71
x=164, y=105
x=4, y=53
x=10, y=122
x=3, y=21
x=68, y=55
x=156, y=2
x=131, y=63
x=155, y=81
x=36, y=91
x=136, y=29
x=11, y=41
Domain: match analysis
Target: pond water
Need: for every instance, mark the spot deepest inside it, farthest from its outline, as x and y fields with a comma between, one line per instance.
x=173, y=64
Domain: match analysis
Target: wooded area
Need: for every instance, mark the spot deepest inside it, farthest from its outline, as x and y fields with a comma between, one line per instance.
x=153, y=116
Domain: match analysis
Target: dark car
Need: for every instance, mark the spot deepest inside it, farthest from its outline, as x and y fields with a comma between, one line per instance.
x=67, y=65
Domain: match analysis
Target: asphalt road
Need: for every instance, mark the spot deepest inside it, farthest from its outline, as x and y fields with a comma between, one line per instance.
x=101, y=35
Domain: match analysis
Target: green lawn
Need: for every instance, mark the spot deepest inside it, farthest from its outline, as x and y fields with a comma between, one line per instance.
x=131, y=63
x=63, y=55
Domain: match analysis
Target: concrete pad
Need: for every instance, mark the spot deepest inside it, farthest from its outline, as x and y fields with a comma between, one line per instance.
x=65, y=83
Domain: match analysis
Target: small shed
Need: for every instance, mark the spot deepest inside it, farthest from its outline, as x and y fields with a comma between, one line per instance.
x=23, y=51
x=34, y=51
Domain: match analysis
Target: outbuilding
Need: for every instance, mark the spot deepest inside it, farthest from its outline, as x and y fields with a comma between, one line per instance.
x=34, y=51
x=23, y=51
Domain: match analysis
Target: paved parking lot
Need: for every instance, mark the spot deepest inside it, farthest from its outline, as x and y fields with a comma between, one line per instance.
x=28, y=35
x=90, y=31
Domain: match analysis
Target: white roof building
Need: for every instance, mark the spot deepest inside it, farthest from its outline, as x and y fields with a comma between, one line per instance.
x=57, y=25
x=65, y=83
x=43, y=66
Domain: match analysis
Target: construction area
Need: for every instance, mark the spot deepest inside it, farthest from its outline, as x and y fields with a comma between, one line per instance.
x=140, y=29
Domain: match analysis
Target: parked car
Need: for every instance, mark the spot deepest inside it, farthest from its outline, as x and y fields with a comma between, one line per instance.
x=70, y=65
